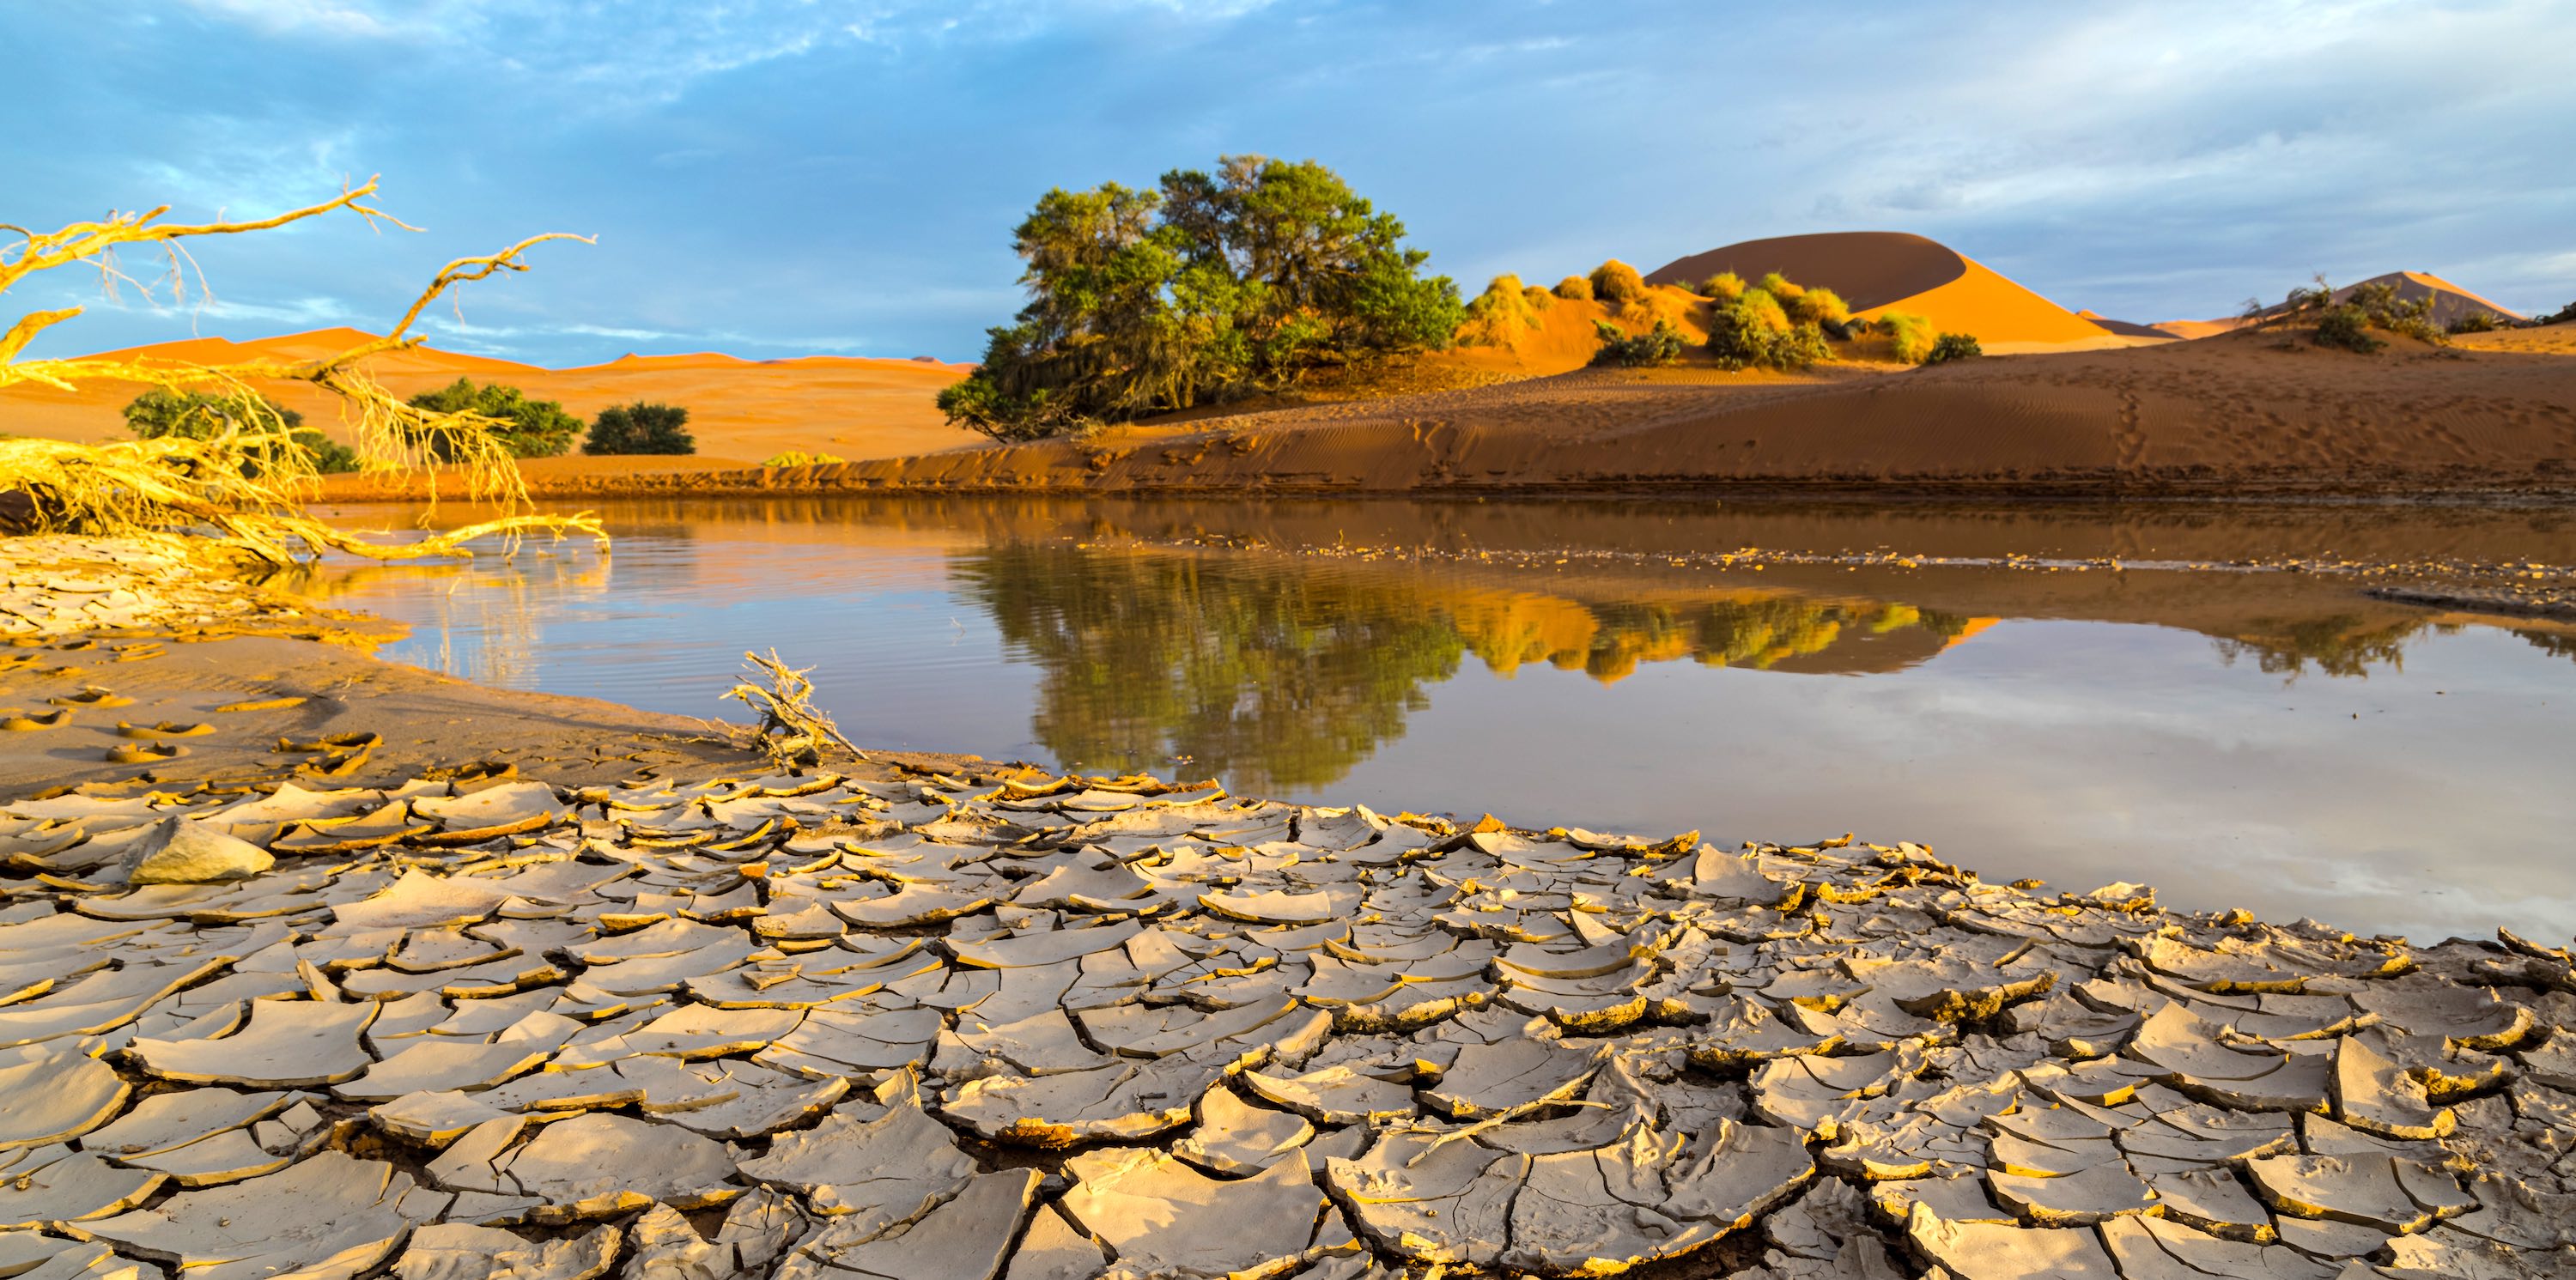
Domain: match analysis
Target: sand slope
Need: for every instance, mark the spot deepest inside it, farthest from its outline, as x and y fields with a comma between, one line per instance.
x=1881, y=271
x=739, y=410
x=2245, y=413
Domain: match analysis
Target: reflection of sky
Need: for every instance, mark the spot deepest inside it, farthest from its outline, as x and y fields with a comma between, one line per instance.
x=2430, y=800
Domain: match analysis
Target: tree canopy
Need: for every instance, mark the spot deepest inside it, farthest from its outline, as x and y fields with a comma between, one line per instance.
x=640, y=428
x=160, y=414
x=527, y=428
x=1212, y=286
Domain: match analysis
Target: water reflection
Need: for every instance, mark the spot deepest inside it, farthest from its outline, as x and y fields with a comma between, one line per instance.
x=2275, y=740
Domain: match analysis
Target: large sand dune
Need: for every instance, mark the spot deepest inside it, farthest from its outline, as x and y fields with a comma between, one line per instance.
x=740, y=410
x=1881, y=271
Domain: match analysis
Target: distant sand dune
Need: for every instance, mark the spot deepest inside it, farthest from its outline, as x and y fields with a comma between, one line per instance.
x=739, y=410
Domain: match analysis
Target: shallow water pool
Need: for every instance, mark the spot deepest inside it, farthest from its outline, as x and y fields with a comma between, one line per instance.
x=2199, y=699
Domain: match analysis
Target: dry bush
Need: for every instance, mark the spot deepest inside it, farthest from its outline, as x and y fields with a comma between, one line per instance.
x=1778, y=286
x=1500, y=315
x=800, y=458
x=1724, y=287
x=1910, y=336
x=1539, y=299
x=244, y=483
x=1617, y=283
x=1818, y=306
x=1574, y=289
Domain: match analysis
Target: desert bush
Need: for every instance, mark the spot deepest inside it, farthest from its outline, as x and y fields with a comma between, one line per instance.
x=196, y=415
x=1574, y=289
x=1755, y=332
x=1953, y=346
x=1660, y=345
x=1725, y=286
x=2347, y=328
x=1820, y=306
x=2563, y=315
x=2387, y=311
x=527, y=428
x=1500, y=315
x=1212, y=286
x=1910, y=335
x=1778, y=286
x=1538, y=299
x=640, y=428
x=1617, y=283
x=2477, y=322
x=800, y=458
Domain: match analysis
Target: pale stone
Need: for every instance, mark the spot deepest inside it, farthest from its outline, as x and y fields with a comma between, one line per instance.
x=181, y=851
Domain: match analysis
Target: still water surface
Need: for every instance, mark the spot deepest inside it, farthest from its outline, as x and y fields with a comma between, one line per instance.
x=2269, y=739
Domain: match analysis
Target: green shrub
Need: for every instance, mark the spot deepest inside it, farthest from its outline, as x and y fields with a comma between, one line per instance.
x=2347, y=327
x=1212, y=286
x=1821, y=306
x=1617, y=283
x=1574, y=289
x=529, y=428
x=1660, y=345
x=1953, y=346
x=1755, y=332
x=2477, y=322
x=1910, y=335
x=641, y=428
x=1725, y=286
x=800, y=458
x=201, y=416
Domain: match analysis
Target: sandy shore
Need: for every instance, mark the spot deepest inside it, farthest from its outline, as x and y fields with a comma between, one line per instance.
x=562, y=988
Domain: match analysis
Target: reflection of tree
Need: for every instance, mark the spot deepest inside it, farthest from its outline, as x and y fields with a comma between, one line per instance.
x=2339, y=644
x=1278, y=676
x=1271, y=680
x=481, y=618
x=2561, y=644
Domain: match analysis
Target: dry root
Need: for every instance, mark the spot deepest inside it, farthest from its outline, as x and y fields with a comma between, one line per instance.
x=792, y=732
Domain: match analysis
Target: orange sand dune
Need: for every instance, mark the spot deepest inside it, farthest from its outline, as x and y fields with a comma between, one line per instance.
x=738, y=409
x=1881, y=271
x=2548, y=339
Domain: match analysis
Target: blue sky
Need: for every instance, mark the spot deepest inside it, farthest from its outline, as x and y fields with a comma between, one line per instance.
x=775, y=177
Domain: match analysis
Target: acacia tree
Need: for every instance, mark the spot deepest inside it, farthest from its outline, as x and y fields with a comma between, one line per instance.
x=640, y=428
x=245, y=478
x=1246, y=279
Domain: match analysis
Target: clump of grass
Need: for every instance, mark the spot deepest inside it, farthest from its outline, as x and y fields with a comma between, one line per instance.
x=1660, y=345
x=1755, y=332
x=1724, y=287
x=800, y=458
x=1617, y=283
x=1779, y=286
x=1500, y=315
x=2477, y=322
x=1574, y=289
x=791, y=731
x=1910, y=335
x=1538, y=299
x=1818, y=306
x=1954, y=346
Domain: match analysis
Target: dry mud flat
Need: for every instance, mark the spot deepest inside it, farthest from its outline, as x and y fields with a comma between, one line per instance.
x=942, y=1026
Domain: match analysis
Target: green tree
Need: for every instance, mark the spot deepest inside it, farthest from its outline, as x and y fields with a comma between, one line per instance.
x=1954, y=346
x=1215, y=285
x=640, y=428
x=528, y=428
x=198, y=415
